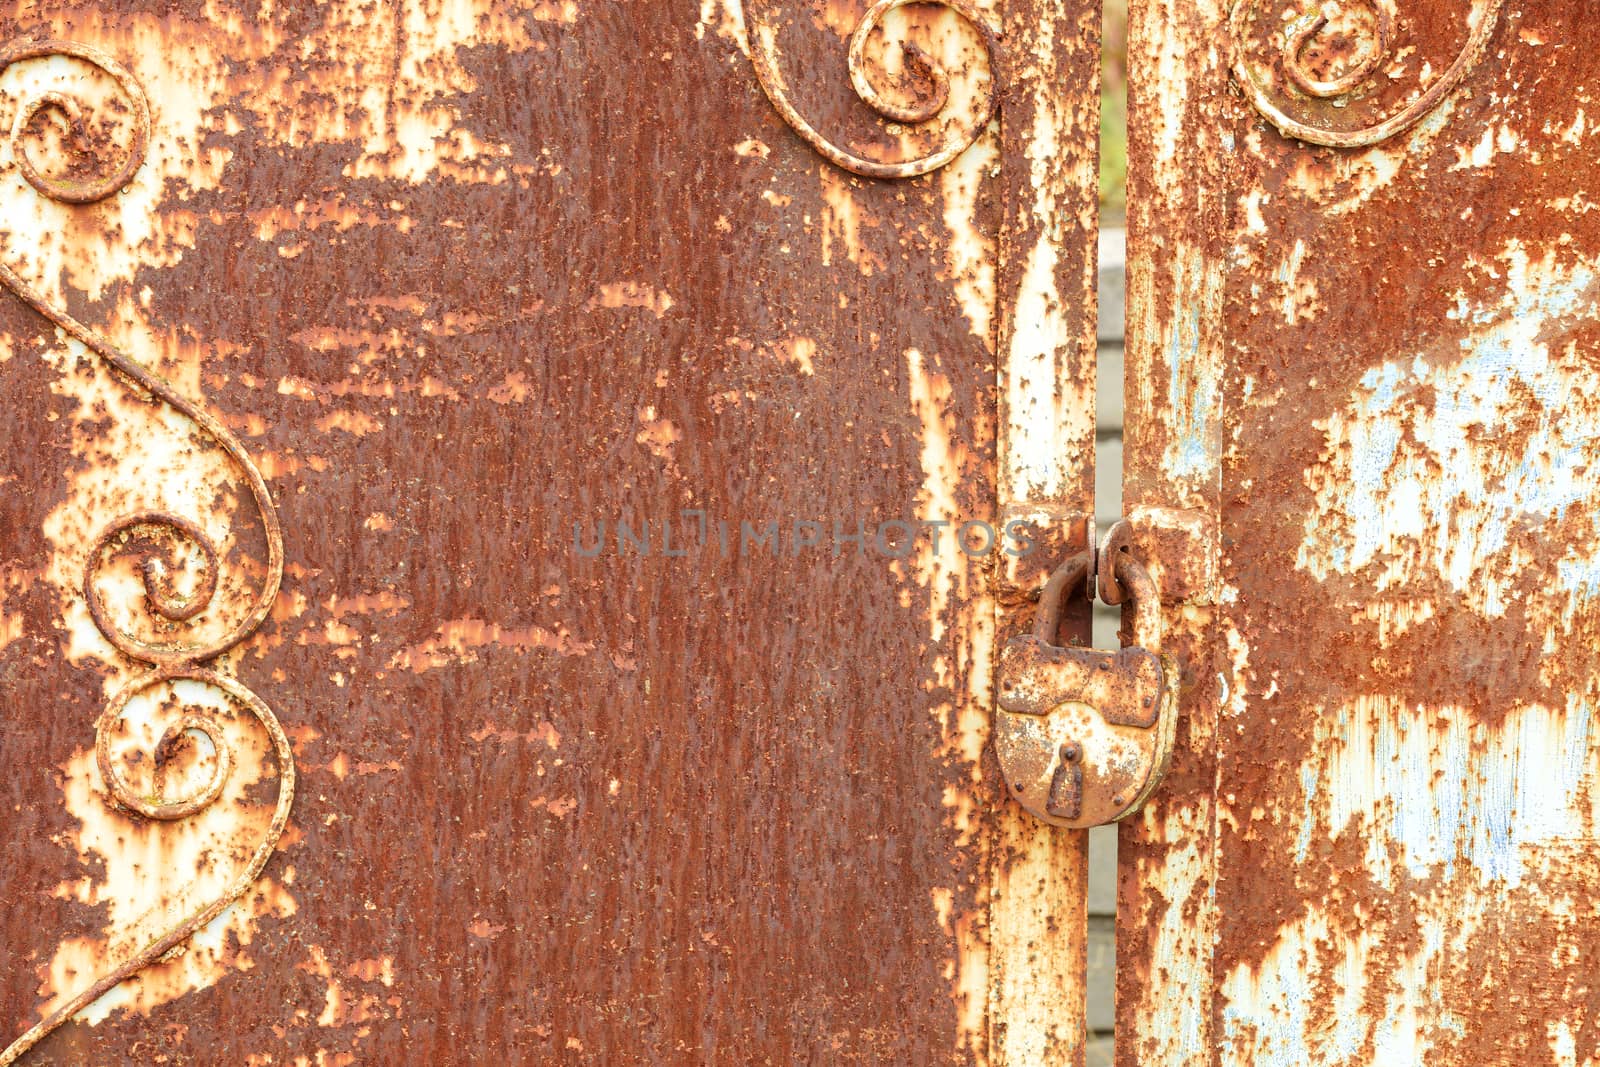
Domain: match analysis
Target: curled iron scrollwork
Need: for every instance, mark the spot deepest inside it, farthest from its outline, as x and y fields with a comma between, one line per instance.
x=156, y=541
x=1354, y=105
x=924, y=70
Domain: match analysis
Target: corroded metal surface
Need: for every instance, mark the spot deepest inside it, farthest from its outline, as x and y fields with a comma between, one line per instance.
x=461, y=277
x=1374, y=370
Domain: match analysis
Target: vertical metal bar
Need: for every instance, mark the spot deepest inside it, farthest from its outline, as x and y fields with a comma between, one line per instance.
x=1046, y=378
x=1177, y=164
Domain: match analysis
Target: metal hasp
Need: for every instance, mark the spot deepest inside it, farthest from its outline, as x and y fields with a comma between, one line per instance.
x=1084, y=735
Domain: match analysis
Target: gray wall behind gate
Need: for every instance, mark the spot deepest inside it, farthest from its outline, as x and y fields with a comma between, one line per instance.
x=1108, y=508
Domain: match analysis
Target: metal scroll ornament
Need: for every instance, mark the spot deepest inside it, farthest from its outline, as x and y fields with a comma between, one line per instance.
x=763, y=48
x=1339, y=74
x=152, y=541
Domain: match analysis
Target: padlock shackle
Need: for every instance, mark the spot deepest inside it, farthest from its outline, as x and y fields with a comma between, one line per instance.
x=1130, y=574
x=1068, y=578
x=1146, y=601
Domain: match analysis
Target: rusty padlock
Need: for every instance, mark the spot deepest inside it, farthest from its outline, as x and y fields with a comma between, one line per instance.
x=1084, y=735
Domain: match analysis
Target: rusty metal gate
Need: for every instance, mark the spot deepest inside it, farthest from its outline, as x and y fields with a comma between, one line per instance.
x=495, y=426
x=1362, y=360
x=511, y=511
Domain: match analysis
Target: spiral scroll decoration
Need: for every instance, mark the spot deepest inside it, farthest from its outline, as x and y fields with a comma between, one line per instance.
x=151, y=538
x=923, y=69
x=1317, y=109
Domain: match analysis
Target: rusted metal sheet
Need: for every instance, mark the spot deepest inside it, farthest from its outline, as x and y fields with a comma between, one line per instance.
x=1360, y=342
x=590, y=406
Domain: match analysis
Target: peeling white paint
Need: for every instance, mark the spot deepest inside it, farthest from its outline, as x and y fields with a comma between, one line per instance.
x=724, y=18
x=1194, y=391
x=970, y=251
x=961, y=666
x=157, y=873
x=1439, y=800
x=138, y=456
x=1416, y=473
x=1454, y=796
